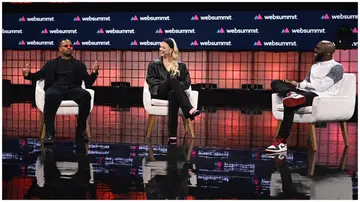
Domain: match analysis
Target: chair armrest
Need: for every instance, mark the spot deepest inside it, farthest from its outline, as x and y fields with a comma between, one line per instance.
x=193, y=98
x=92, y=94
x=275, y=100
x=146, y=99
x=339, y=108
x=39, y=97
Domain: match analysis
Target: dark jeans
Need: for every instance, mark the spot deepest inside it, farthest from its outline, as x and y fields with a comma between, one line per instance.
x=171, y=91
x=53, y=97
x=282, y=89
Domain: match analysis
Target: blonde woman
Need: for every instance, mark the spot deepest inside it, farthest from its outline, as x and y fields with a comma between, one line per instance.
x=168, y=78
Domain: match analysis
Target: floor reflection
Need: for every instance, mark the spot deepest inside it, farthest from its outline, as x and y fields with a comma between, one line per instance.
x=315, y=182
x=169, y=177
x=70, y=170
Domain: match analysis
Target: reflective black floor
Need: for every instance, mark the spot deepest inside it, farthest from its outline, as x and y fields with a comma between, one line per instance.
x=69, y=170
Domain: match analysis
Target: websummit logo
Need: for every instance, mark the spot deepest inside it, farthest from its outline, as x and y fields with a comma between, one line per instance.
x=159, y=31
x=210, y=43
x=275, y=43
x=100, y=31
x=45, y=31
x=22, y=43
x=36, y=19
x=150, y=18
x=92, y=19
x=134, y=43
x=194, y=43
x=22, y=19
x=91, y=43
x=325, y=17
x=76, y=43
x=258, y=43
x=59, y=31
x=145, y=43
x=220, y=31
x=339, y=17
x=212, y=17
x=135, y=18
x=258, y=17
x=76, y=19
x=275, y=17
x=303, y=31
x=195, y=17
x=285, y=31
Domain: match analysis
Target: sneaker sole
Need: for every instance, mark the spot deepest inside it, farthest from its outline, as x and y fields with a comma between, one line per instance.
x=275, y=151
x=292, y=102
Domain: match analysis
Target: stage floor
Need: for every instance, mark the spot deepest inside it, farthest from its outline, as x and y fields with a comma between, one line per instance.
x=226, y=160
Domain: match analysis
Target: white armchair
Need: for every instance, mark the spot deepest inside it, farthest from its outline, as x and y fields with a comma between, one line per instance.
x=338, y=108
x=67, y=107
x=156, y=107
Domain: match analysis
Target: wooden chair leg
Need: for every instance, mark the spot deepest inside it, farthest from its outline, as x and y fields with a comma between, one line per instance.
x=311, y=162
x=186, y=126
x=151, y=121
x=43, y=132
x=41, y=123
x=88, y=128
x=188, y=155
x=278, y=127
x=344, y=159
x=309, y=141
x=191, y=128
x=344, y=133
x=313, y=136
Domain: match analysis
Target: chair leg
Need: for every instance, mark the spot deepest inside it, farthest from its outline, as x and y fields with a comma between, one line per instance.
x=43, y=132
x=343, y=158
x=278, y=127
x=41, y=123
x=311, y=162
x=186, y=126
x=313, y=136
x=151, y=121
x=344, y=133
x=309, y=141
x=191, y=128
x=88, y=128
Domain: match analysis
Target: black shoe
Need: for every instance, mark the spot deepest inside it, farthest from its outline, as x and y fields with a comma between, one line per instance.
x=194, y=114
x=82, y=136
x=49, y=138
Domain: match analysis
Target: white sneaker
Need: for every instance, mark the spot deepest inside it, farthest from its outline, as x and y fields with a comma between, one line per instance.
x=278, y=146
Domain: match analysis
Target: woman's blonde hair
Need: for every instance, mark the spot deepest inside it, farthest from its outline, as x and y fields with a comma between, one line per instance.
x=174, y=59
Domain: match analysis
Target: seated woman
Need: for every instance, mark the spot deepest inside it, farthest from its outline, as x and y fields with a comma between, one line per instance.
x=168, y=78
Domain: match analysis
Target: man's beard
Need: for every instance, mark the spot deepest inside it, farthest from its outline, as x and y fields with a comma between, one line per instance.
x=319, y=57
x=67, y=54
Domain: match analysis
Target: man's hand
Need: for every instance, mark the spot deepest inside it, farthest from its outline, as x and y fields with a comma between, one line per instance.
x=26, y=70
x=95, y=68
x=294, y=83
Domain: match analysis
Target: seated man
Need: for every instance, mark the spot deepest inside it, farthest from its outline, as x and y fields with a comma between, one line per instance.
x=63, y=78
x=323, y=79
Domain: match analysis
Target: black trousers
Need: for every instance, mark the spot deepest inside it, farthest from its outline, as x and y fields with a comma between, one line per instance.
x=282, y=89
x=171, y=91
x=53, y=97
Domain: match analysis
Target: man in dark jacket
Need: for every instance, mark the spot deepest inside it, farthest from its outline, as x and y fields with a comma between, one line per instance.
x=63, y=78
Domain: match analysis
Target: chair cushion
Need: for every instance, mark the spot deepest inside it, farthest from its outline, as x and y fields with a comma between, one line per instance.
x=302, y=110
x=68, y=103
x=158, y=102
